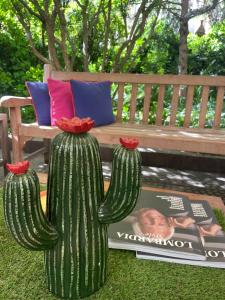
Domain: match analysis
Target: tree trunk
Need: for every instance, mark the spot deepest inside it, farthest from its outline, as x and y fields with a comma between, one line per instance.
x=185, y=16
x=183, y=49
x=85, y=37
x=51, y=45
x=107, y=19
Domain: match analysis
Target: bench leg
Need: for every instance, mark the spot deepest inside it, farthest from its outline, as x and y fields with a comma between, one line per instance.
x=4, y=141
x=17, y=142
x=47, y=145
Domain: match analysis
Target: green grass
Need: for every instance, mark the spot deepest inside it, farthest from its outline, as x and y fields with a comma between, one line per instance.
x=22, y=276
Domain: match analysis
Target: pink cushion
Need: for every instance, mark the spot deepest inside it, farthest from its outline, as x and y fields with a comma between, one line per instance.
x=61, y=100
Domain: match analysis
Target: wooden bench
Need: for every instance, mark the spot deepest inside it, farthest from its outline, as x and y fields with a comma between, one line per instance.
x=148, y=108
x=4, y=141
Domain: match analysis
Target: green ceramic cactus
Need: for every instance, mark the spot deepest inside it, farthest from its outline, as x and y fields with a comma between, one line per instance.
x=73, y=234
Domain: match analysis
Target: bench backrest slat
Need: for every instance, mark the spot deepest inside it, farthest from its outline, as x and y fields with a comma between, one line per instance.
x=159, y=111
x=147, y=102
x=203, y=107
x=141, y=78
x=188, y=107
x=133, y=102
x=174, y=104
x=219, y=107
x=120, y=102
x=159, y=99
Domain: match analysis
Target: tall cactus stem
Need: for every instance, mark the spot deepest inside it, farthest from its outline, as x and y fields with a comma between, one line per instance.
x=76, y=267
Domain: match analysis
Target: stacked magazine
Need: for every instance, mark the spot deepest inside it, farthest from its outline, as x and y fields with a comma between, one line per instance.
x=169, y=227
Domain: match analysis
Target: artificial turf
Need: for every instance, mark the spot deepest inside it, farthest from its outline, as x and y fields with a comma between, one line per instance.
x=22, y=276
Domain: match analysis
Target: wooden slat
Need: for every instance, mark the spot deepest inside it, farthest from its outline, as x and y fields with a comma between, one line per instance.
x=4, y=138
x=31, y=130
x=147, y=102
x=159, y=112
x=4, y=141
x=141, y=78
x=173, y=132
x=203, y=108
x=47, y=72
x=174, y=104
x=120, y=102
x=219, y=107
x=133, y=102
x=12, y=101
x=15, y=121
x=24, y=129
x=188, y=139
x=188, y=107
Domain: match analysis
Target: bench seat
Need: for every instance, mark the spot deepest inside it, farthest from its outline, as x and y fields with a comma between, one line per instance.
x=189, y=139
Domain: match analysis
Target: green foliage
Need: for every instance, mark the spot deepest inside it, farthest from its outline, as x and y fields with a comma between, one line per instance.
x=207, y=52
x=220, y=217
x=161, y=54
x=28, y=114
x=16, y=64
x=155, y=51
x=206, y=57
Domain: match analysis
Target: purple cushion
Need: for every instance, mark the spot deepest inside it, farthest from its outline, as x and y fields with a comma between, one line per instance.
x=93, y=99
x=41, y=101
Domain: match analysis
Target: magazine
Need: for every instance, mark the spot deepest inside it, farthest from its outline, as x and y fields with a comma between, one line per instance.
x=162, y=224
x=212, y=236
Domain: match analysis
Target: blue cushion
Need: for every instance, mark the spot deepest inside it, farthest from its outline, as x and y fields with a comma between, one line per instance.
x=93, y=99
x=41, y=101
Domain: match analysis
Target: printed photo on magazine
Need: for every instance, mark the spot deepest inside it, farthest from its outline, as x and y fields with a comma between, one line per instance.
x=212, y=236
x=162, y=224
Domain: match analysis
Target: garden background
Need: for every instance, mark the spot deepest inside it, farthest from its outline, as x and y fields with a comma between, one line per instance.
x=111, y=36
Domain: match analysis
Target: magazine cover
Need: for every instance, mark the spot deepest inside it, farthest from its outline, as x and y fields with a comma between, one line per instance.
x=161, y=223
x=212, y=236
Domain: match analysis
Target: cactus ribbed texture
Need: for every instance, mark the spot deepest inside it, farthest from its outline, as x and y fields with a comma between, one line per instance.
x=75, y=258
x=72, y=207
x=124, y=186
x=23, y=213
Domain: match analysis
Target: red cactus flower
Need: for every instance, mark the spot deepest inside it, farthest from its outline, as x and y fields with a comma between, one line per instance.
x=18, y=168
x=75, y=125
x=129, y=143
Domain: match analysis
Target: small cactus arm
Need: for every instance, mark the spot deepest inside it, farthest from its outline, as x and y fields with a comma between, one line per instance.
x=22, y=209
x=124, y=186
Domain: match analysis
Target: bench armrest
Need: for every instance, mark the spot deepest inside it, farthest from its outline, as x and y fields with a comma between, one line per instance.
x=12, y=101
